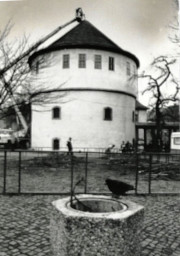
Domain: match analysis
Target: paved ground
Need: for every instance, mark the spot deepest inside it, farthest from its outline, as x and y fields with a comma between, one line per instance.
x=24, y=222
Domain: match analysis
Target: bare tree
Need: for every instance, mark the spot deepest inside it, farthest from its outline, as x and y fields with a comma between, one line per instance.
x=14, y=71
x=170, y=114
x=163, y=87
x=174, y=26
x=15, y=77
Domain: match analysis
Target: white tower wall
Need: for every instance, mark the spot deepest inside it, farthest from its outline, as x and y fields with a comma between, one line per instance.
x=87, y=92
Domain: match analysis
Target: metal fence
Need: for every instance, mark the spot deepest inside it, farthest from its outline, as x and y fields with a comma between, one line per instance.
x=47, y=172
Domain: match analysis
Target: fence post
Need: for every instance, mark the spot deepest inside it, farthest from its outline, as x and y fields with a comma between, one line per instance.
x=72, y=180
x=167, y=158
x=5, y=169
x=86, y=170
x=150, y=170
x=19, y=176
x=137, y=170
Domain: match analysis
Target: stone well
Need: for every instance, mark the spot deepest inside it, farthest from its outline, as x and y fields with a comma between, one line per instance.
x=97, y=226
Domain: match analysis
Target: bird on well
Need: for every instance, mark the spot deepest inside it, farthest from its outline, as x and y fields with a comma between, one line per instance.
x=118, y=188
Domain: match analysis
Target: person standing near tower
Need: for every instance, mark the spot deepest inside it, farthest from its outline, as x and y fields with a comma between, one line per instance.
x=69, y=145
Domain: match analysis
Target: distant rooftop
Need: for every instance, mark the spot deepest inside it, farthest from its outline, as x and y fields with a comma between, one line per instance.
x=140, y=106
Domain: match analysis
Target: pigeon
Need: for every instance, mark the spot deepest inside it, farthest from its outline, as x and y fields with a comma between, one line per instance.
x=117, y=187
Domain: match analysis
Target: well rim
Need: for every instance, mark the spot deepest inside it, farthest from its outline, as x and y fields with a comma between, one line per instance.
x=61, y=206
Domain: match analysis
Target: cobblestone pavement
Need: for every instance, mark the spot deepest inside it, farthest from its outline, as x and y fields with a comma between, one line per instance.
x=24, y=223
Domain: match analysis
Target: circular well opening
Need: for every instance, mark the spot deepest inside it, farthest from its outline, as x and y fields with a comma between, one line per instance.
x=100, y=205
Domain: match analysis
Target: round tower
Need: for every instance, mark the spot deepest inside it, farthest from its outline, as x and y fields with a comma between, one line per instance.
x=91, y=88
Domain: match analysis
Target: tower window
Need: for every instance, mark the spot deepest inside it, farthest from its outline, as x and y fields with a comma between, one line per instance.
x=56, y=113
x=108, y=114
x=135, y=116
x=111, y=63
x=128, y=70
x=82, y=60
x=55, y=144
x=66, y=61
x=134, y=69
x=37, y=67
x=97, y=63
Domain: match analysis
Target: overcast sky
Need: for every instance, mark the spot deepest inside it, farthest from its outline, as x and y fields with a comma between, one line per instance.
x=138, y=26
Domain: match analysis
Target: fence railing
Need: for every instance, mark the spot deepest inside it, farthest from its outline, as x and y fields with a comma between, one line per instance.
x=47, y=172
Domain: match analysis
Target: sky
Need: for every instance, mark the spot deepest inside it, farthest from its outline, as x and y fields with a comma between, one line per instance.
x=138, y=26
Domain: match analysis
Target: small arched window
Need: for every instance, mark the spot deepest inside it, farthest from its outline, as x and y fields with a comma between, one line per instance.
x=56, y=113
x=108, y=114
x=56, y=144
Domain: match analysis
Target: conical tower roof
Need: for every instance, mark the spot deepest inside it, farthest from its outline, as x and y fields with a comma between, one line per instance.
x=85, y=36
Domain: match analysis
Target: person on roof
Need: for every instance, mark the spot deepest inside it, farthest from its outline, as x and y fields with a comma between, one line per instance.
x=79, y=14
